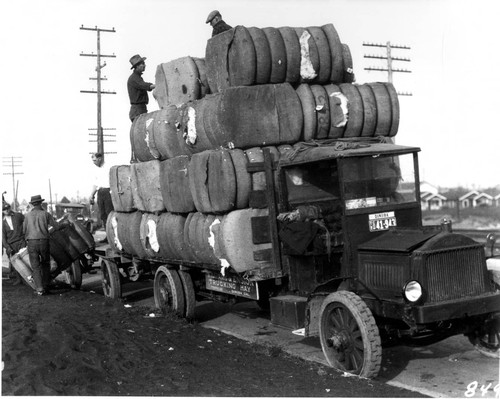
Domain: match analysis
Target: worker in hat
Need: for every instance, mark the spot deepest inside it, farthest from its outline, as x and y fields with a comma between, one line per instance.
x=12, y=237
x=101, y=188
x=138, y=88
x=36, y=232
x=218, y=24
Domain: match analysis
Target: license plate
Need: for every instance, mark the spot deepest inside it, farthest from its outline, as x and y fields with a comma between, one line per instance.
x=381, y=221
x=233, y=285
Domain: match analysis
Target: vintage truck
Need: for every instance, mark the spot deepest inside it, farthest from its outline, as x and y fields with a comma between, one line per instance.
x=349, y=259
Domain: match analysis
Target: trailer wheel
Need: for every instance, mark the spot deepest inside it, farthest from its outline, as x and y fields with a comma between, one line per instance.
x=349, y=335
x=111, y=284
x=74, y=275
x=168, y=292
x=486, y=340
x=189, y=294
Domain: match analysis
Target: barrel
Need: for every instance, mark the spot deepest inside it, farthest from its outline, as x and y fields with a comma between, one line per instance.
x=145, y=183
x=174, y=185
x=120, y=188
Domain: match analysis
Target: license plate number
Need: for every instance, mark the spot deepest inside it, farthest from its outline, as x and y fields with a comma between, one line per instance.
x=381, y=221
x=232, y=285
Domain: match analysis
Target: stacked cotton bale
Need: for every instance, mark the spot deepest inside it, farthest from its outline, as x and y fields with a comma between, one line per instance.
x=187, y=197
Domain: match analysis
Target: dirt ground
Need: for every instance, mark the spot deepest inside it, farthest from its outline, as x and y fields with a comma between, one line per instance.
x=80, y=343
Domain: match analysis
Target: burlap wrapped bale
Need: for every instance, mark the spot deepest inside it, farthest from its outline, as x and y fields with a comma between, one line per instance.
x=112, y=232
x=145, y=182
x=236, y=240
x=308, y=105
x=384, y=109
x=121, y=188
x=336, y=53
x=141, y=138
x=309, y=56
x=322, y=111
x=230, y=59
x=182, y=81
x=348, y=75
x=243, y=178
x=292, y=48
x=170, y=234
x=278, y=55
x=324, y=54
x=202, y=75
x=369, y=110
x=355, y=108
x=128, y=233
x=148, y=236
x=338, y=111
x=393, y=95
x=174, y=185
x=262, y=55
x=261, y=115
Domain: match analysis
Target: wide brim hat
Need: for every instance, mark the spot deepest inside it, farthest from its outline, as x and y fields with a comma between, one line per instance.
x=5, y=206
x=36, y=198
x=212, y=15
x=136, y=59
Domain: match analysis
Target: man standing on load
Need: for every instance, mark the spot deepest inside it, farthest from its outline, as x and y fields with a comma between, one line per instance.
x=218, y=24
x=36, y=232
x=138, y=88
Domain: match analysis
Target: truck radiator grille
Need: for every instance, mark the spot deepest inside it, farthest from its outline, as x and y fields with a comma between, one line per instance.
x=454, y=273
x=380, y=275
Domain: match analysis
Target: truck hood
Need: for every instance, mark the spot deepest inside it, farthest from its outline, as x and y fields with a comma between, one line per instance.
x=400, y=240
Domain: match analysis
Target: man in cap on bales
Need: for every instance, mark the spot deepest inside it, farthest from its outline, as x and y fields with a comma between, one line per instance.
x=36, y=232
x=218, y=24
x=138, y=88
x=12, y=237
x=101, y=188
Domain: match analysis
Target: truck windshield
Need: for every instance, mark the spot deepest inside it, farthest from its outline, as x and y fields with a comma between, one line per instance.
x=313, y=182
x=378, y=180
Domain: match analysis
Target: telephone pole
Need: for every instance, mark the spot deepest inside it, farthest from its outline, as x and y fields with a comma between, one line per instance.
x=389, y=58
x=13, y=163
x=100, y=136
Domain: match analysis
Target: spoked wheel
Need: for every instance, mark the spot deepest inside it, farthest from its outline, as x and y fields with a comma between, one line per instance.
x=74, y=275
x=189, y=294
x=168, y=293
x=487, y=339
x=349, y=335
x=111, y=284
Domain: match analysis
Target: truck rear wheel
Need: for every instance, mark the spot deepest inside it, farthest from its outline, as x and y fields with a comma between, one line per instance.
x=168, y=292
x=111, y=284
x=487, y=339
x=189, y=294
x=349, y=335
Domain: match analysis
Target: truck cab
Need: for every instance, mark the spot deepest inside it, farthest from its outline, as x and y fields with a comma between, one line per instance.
x=353, y=243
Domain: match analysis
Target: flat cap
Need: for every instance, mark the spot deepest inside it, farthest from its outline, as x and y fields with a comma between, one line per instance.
x=212, y=15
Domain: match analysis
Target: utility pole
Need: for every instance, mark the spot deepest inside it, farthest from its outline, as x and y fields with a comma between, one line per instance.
x=100, y=136
x=13, y=163
x=389, y=58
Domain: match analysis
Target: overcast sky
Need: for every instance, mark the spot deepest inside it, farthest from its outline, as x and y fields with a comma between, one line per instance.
x=452, y=115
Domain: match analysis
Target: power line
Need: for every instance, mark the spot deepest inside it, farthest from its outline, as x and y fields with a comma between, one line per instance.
x=390, y=58
x=13, y=163
x=100, y=136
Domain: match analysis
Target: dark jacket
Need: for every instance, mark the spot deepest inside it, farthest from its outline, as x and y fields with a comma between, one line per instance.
x=138, y=89
x=13, y=239
x=36, y=224
x=220, y=27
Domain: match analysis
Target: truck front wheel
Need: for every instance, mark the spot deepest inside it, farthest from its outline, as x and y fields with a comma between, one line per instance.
x=168, y=291
x=487, y=338
x=349, y=335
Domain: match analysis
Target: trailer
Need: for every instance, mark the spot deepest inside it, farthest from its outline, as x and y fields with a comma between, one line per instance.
x=344, y=255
